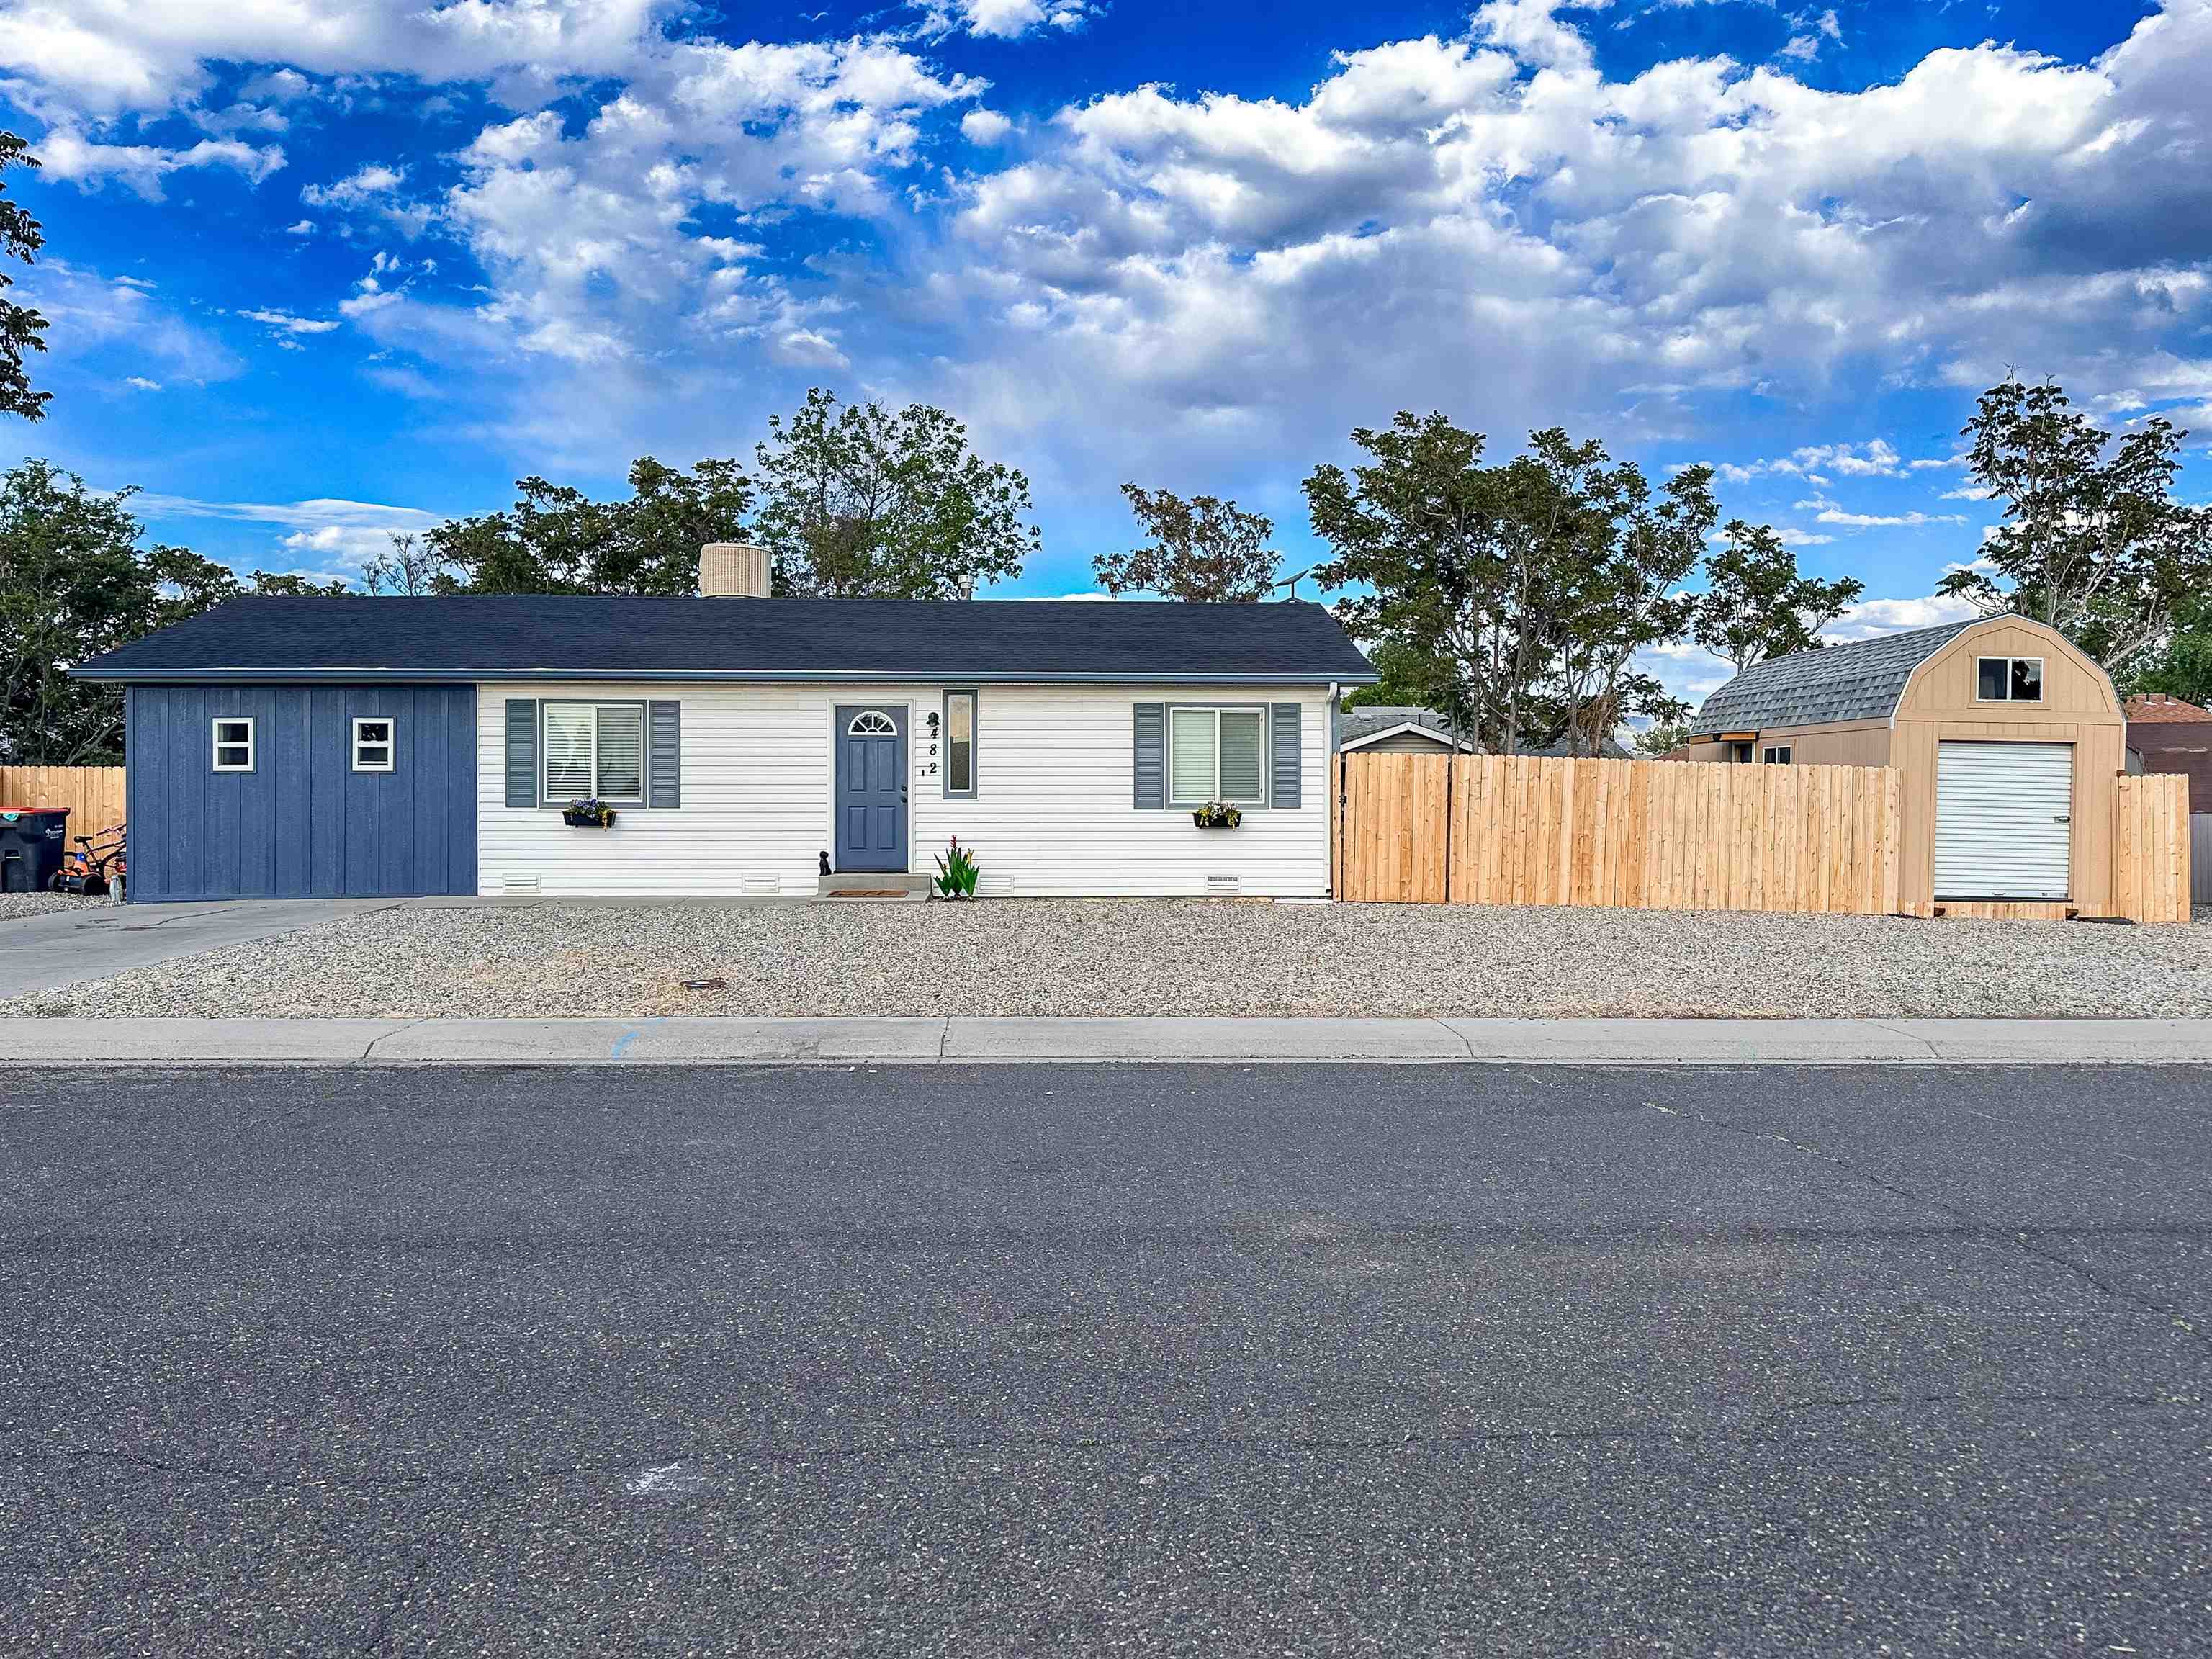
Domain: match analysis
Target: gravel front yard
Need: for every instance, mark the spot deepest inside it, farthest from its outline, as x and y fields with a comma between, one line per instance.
x=13, y=907
x=1045, y=958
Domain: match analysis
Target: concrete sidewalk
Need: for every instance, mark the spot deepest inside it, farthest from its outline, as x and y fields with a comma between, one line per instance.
x=61, y=947
x=972, y=1042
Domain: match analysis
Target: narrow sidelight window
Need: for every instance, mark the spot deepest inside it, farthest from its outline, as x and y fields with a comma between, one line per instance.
x=233, y=745
x=374, y=745
x=960, y=744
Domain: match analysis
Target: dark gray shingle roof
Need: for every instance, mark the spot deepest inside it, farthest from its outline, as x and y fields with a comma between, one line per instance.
x=1366, y=720
x=554, y=636
x=1860, y=681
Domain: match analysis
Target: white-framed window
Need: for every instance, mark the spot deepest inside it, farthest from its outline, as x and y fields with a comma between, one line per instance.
x=595, y=751
x=376, y=743
x=1775, y=754
x=2008, y=679
x=233, y=744
x=1217, y=754
x=959, y=745
x=871, y=723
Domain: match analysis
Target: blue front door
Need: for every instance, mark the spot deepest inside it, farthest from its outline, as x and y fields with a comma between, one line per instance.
x=871, y=788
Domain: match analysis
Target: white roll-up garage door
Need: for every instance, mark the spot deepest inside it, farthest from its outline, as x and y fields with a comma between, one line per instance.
x=2005, y=818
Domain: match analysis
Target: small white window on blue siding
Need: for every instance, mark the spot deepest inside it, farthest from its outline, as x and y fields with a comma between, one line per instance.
x=595, y=750
x=234, y=744
x=374, y=742
x=1217, y=754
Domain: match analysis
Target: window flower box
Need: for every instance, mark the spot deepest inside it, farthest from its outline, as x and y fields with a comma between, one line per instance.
x=588, y=814
x=1216, y=815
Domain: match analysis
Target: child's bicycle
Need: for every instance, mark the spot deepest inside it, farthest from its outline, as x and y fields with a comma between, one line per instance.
x=99, y=865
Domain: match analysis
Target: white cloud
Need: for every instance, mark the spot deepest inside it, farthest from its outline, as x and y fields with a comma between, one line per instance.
x=1833, y=514
x=140, y=383
x=67, y=153
x=91, y=314
x=339, y=534
x=1872, y=616
x=985, y=127
x=1003, y=20
x=283, y=323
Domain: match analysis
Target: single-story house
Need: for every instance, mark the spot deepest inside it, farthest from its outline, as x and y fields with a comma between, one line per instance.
x=2008, y=740
x=2173, y=735
x=291, y=747
x=1377, y=728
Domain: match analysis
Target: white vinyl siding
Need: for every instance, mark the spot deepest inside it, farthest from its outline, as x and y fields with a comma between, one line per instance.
x=1053, y=818
x=593, y=751
x=2003, y=820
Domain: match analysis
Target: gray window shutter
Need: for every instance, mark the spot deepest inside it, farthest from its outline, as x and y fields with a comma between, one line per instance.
x=664, y=758
x=1283, y=750
x=1151, y=752
x=522, y=751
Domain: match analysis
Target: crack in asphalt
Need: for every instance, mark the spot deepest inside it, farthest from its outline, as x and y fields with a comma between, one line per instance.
x=478, y=1478
x=2022, y=1239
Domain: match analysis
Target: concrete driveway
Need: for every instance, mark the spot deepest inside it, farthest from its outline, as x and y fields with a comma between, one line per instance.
x=40, y=953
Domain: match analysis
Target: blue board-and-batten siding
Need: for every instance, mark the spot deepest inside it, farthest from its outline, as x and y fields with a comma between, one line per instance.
x=303, y=824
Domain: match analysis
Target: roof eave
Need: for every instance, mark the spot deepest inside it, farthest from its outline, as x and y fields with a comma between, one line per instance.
x=91, y=673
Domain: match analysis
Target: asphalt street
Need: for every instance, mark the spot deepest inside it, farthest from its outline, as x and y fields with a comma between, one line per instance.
x=1198, y=1360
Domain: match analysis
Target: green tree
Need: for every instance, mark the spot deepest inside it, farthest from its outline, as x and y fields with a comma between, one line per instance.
x=1626, y=557
x=2094, y=542
x=74, y=582
x=410, y=570
x=2182, y=667
x=290, y=585
x=1656, y=741
x=858, y=501
x=555, y=540
x=1756, y=605
x=21, y=329
x=1517, y=594
x=1205, y=550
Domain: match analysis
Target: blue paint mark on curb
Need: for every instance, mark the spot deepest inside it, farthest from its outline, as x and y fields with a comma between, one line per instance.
x=622, y=1043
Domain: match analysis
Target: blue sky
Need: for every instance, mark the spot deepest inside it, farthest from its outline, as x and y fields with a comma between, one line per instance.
x=322, y=269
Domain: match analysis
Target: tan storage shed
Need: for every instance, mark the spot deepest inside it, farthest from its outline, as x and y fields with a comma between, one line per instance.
x=2008, y=741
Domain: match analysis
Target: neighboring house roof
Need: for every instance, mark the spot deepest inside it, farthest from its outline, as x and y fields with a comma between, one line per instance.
x=2157, y=708
x=560, y=636
x=1375, y=721
x=1562, y=749
x=1860, y=681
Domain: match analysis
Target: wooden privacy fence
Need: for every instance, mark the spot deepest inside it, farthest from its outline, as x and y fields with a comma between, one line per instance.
x=1638, y=835
x=93, y=795
x=2150, y=849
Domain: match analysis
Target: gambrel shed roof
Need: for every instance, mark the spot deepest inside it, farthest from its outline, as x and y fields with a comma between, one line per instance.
x=1860, y=681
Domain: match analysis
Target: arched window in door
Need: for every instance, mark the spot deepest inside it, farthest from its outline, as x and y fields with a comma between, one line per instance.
x=872, y=723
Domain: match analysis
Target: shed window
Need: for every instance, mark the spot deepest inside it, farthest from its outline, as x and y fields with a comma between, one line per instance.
x=595, y=750
x=374, y=745
x=960, y=743
x=1217, y=754
x=2008, y=679
x=233, y=745
x=1775, y=754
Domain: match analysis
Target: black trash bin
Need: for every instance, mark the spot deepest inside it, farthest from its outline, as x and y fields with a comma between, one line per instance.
x=32, y=843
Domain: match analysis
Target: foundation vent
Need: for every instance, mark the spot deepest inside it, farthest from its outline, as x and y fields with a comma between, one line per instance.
x=763, y=886
x=994, y=886
x=1224, y=886
x=531, y=884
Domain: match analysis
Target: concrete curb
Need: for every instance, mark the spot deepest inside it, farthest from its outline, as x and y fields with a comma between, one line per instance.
x=692, y=1042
